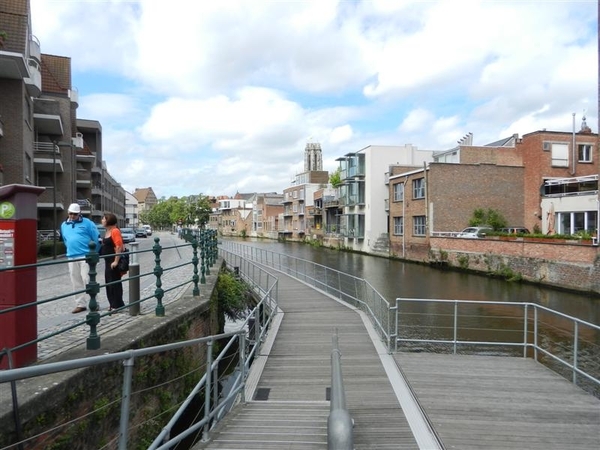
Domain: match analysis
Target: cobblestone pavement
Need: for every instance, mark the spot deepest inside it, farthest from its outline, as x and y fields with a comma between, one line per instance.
x=54, y=281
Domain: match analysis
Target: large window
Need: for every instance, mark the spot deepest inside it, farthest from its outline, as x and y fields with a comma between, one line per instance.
x=419, y=225
x=399, y=192
x=419, y=188
x=574, y=222
x=398, y=226
x=585, y=152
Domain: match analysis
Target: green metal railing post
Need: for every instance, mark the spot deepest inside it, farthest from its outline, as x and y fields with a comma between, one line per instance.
x=92, y=289
x=203, y=258
x=207, y=253
x=195, y=291
x=158, y=271
x=214, y=247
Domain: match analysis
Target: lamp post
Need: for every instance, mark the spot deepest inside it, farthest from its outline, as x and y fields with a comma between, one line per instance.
x=54, y=215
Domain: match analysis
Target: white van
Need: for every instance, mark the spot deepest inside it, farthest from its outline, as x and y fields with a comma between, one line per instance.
x=148, y=229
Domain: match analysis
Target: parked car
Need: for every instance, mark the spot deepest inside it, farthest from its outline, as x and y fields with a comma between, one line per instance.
x=514, y=230
x=474, y=232
x=128, y=235
x=140, y=232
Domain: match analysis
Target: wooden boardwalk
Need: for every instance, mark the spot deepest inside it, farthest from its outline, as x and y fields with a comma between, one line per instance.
x=472, y=402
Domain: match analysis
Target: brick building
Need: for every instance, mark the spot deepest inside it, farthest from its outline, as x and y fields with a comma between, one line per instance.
x=507, y=176
x=40, y=142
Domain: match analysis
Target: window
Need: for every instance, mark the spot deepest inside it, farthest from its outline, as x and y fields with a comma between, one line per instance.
x=585, y=152
x=399, y=192
x=419, y=188
x=560, y=155
x=398, y=226
x=419, y=225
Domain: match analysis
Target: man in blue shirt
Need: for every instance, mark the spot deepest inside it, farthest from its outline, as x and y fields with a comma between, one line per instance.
x=77, y=232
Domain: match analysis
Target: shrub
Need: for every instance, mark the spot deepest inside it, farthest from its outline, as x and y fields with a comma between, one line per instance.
x=46, y=249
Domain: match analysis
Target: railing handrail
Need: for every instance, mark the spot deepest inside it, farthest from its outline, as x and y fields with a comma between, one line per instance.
x=525, y=343
x=339, y=422
x=263, y=314
x=379, y=311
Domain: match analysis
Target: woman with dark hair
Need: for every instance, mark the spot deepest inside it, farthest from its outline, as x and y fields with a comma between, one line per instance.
x=112, y=244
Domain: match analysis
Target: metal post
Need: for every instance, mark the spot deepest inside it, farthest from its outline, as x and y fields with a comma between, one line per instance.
x=242, y=364
x=158, y=271
x=455, y=324
x=575, y=349
x=195, y=291
x=134, y=280
x=54, y=214
x=208, y=385
x=125, y=402
x=92, y=289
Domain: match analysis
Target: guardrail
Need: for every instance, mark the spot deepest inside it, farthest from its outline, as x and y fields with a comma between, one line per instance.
x=347, y=288
x=339, y=422
x=540, y=334
x=567, y=345
x=216, y=371
x=208, y=249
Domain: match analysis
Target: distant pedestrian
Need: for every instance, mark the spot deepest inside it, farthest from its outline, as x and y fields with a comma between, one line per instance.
x=77, y=232
x=112, y=244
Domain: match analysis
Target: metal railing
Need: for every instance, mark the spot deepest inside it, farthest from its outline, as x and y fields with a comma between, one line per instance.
x=208, y=255
x=568, y=345
x=339, y=422
x=347, y=288
x=215, y=371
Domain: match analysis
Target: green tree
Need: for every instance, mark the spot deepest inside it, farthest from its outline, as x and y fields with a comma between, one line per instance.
x=490, y=217
x=335, y=179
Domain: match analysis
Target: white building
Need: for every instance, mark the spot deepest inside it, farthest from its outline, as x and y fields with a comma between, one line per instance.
x=131, y=210
x=364, y=193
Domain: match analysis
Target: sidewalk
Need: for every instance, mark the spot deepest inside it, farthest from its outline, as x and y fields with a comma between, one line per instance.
x=56, y=315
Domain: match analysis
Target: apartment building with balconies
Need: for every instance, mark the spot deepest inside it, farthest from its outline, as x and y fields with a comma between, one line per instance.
x=364, y=193
x=40, y=143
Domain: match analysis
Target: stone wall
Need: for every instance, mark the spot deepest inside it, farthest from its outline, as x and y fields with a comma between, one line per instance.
x=559, y=264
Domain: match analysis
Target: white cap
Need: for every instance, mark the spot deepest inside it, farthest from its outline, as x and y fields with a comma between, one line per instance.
x=74, y=208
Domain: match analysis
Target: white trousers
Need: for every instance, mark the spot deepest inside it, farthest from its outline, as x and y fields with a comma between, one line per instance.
x=80, y=277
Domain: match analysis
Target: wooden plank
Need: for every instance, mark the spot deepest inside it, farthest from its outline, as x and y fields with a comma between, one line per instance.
x=501, y=402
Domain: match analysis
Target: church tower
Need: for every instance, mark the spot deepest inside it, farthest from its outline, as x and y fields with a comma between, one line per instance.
x=313, y=159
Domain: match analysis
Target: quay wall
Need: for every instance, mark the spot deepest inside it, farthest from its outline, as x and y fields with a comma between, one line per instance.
x=48, y=402
x=558, y=264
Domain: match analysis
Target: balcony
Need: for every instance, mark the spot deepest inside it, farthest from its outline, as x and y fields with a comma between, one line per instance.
x=33, y=82
x=47, y=157
x=46, y=117
x=13, y=66
x=46, y=199
x=74, y=96
x=84, y=178
x=78, y=141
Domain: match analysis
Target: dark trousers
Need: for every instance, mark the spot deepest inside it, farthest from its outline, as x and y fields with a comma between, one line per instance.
x=114, y=292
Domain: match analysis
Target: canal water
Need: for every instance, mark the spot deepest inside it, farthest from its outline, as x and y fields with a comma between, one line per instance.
x=394, y=279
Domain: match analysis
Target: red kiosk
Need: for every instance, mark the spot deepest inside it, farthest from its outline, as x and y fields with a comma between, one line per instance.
x=18, y=246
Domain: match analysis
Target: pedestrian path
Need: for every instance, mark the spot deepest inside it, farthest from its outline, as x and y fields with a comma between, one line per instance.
x=56, y=316
x=416, y=401
x=288, y=403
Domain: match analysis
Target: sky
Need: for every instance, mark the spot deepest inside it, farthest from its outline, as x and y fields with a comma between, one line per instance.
x=219, y=97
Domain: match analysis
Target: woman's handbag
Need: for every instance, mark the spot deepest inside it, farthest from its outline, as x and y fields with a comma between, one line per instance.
x=123, y=264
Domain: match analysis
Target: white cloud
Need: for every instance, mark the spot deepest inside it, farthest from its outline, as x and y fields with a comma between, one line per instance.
x=214, y=97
